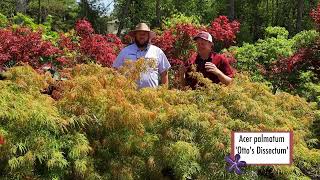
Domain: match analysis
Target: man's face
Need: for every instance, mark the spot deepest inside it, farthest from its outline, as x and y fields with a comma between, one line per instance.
x=142, y=38
x=203, y=46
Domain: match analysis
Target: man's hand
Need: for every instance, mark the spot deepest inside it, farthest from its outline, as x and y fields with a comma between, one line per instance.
x=212, y=68
x=222, y=77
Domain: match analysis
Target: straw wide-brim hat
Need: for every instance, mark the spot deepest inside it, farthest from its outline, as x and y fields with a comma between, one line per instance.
x=142, y=27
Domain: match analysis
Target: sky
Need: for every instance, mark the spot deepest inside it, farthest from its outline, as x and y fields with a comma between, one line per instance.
x=106, y=2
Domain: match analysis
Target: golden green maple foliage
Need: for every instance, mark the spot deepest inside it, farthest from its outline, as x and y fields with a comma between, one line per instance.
x=102, y=127
x=38, y=140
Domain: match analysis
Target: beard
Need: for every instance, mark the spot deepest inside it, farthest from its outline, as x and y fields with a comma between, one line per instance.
x=141, y=44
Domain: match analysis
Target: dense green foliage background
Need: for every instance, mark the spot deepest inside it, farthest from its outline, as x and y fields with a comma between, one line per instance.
x=254, y=15
x=79, y=120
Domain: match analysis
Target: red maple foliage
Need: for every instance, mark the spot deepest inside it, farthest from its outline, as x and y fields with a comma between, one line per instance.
x=24, y=45
x=305, y=56
x=21, y=44
x=304, y=59
x=285, y=72
x=2, y=140
x=98, y=47
x=287, y=65
x=166, y=41
x=223, y=30
x=84, y=28
x=102, y=48
x=177, y=41
x=315, y=15
x=66, y=42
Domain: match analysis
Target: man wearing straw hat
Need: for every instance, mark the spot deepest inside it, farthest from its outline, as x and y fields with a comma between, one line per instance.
x=141, y=48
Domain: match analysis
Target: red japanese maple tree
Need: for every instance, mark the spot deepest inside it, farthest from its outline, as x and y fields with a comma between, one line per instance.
x=177, y=41
x=24, y=45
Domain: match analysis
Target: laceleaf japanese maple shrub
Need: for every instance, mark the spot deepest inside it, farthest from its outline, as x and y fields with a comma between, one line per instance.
x=23, y=45
x=102, y=127
x=299, y=73
x=265, y=60
x=40, y=47
x=286, y=64
x=315, y=15
x=84, y=46
x=102, y=48
x=147, y=133
x=38, y=140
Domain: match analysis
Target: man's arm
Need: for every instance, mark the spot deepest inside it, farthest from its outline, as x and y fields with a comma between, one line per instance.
x=119, y=60
x=222, y=77
x=163, y=66
x=164, y=78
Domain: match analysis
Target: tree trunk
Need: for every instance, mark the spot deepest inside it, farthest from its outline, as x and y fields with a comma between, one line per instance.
x=39, y=11
x=313, y=3
x=272, y=12
x=21, y=6
x=255, y=23
x=300, y=10
x=268, y=15
x=277, y=12
x=123, y=16
x=231, y=9
x=158, y=13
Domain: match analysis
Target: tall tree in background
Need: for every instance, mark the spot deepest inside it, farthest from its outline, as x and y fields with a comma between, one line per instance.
x=8, y=7
x=130, y=12
x=300, y=10
x=158, y=13
x=39, y=11
x=254, y=15
x=21, y=6
x=123, y=8
x=96, y=12
x=63, y=12
x=231, y=9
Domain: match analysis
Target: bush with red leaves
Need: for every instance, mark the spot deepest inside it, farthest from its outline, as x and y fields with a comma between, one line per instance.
x=98, y=47
x=177, y=41
x=223, y=30
x=315, y=15
x=303, y=56
x=300, y=73
x=103, y=49
x=67, y=43
x=24, y=45
x=84, y=28
x=304, y=59
x=21, y=44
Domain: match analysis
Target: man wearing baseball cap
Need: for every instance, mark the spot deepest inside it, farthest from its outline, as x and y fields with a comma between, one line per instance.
x=214, y=66
x=141, y=48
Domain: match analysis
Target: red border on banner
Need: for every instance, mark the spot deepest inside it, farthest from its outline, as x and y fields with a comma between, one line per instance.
x=290, y=142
